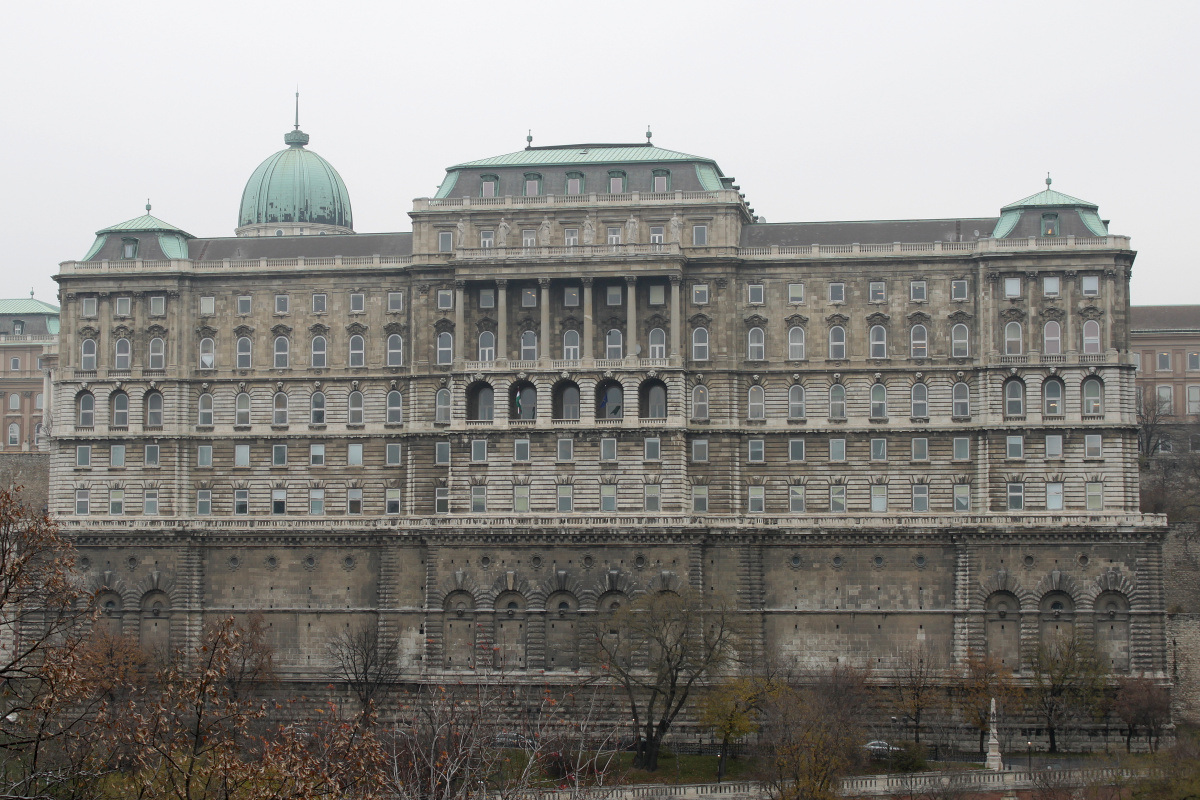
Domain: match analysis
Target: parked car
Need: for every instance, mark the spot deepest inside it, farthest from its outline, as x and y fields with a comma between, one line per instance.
x=880, y=749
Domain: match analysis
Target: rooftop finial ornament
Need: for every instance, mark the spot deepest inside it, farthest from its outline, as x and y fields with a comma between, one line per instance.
x=648, y=133
x=147, y=205
x=297, y=108
x=1048, y=181
x=529, y=139
x=296, y=137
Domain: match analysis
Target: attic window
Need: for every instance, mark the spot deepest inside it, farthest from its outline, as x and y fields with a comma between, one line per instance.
x=662, y=180
x=129, y=248
x=533, y=184
x=1049, y=224
x=574, y=183
x=18, y=327
x=488, y=185
x=616, y=181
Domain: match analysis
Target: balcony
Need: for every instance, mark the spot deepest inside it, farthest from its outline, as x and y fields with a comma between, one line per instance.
x=562, y=252
x=577, y=200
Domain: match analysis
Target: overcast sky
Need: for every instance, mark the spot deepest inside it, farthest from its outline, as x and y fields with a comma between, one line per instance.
x=826, y=111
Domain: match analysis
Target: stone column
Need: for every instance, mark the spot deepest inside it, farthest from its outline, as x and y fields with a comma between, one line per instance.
x=675, y=312
x=460, y=324
x=544, y=334
x=502, y=317
x=588, y=329
x=631, y=338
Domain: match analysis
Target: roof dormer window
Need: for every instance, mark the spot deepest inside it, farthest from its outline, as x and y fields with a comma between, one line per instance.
x=662, y=180
x=616, y=181
x=129, y=248
x=533, y=184
x=488, y=185
x=1049, y=224
x=574, y=183
x=18, y=327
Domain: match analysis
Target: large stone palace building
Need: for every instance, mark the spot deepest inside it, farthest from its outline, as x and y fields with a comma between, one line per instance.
x=591, y=371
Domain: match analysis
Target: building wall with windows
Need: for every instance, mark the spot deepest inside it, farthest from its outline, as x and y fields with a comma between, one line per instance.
x=592, y=371
x=27, y=328
x=1165, y=343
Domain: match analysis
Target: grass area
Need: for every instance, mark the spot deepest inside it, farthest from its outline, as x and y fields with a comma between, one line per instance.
x=686, y=769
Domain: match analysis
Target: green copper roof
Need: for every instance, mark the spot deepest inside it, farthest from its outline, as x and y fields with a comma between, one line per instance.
x=143, y=224
x=296, y=185
x=26, y=305
x=582, y=154
x=1049, y=197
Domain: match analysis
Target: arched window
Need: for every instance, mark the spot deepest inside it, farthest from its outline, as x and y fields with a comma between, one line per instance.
x=487, y=346
x=614, y=344
x=920, y=400
x=1051, y=338
x=281, y=352
x=878, y=341
x=354, y=409
x=1093, y=398
x=796, y=409
x=654, y=400
x=358, y=351
x=570, y=345
x=241, y=412
x=1012, y=339
x=566, y=401
x=756, y=403
x=395, y=408
x=878, y=401
x=959, y=341
x=204, y=408
x=796, y=344
x=119, y=401
x=280, y=409
x=158, y=354
x=243, y=352
x=523, y=401
x=699, y=402
x=445, y=348
x=87, y=360
x=528, y=346
x=700, y=344
x=837, y=342
x=610, y=400
x=756, y=345
x=1014, y=399
x=441, y=406
x=395, y=350
x=1052, y=398
x=918, y=342
x=85, y=416
x=122, y=354
x=208, y=357
x=837, y=401
x=961, y=396
x=14, y=434
x=481, y=402
x=154, y=410
x=320, y=351
x=1091, y=336
x=39, y=401
x=658, y=343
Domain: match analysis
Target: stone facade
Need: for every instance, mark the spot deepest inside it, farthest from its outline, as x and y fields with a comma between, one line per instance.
x=540, y=403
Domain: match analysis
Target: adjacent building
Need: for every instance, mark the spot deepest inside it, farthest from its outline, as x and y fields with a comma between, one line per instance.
x=27, y=327
x=1165, y=344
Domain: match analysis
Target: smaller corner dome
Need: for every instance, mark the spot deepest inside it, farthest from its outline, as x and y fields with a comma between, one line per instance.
x=1070, y=215
x=146, y=223
x=145, y=237
x=295, y=185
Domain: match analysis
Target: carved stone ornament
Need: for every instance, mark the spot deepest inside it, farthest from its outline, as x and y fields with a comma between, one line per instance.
x=1091, y=312
x=318, y=329
x=443, y=325
x=837, y=319
x=208, y=332
x=88, y=332
x=657, y=320
x=796, y=320
x=1053, y=313
x=1012, y=313
x=122, y=332
x=699, y=320
x=652, y=373
x=564, y=374
x=721, y=282
x=756, y=320
x=485, y=324
x=395, y=327
x=878, y=318
x=919, y=316
x=281, y=330
x=356, y=328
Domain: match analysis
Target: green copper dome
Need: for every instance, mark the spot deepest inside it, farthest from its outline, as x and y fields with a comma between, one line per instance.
x=296, y=186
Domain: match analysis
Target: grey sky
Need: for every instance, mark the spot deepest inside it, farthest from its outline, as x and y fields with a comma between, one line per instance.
x=822, y=111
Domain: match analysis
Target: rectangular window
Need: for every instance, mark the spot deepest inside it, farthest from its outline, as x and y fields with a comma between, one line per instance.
x=1012, y=287
x=920, y=449
x=479, y=499
x=571, y=237
x=395, y=301
x=1015, y=447
x=699, y=235
x=354, y=501
x=445, y=241
x=15, y=364
x=1166, y=400
x=151, y=455
x=571, y=296
x=204, y=455
x=614, y=235
x=244, y=304
x=757, y=500
x=116, y=455
x=920, y=497
x=82, y=501
x=441, y=452
x=608, y=497
x=1095, y=496
x=796, y=499
x=479, y=450
x=878, y=292
x=150, y=501
x=445, y=299
x=354, y=455
x=837, y=449
x=1016, y=497
x=660, y=183
x=487, y=298
x=566, y=498
x=616, y=185
x=962, y=497
x=700, y=293
x=241, y=501
x=613, y=295
x=1193, y=360
x=657, y=234
x=441, y=500
x=319, y=304
x=521, y=499
x=279, y=455
x=487, y=239
x=755, y=294
x=204, y=501
x=1091, y=285
x=837, y=498
x=393, y=454
x=241, y=455
x=1092, y=447
x=653, y=498
x=574, y=185
x=281, y=303
x=1054, y=496
x=1137, y=361
x=89, y=310
x=958, y=290
x=116, y=501
x=653, y=450
x=158, y=306
x=1054, y=445
x=658, y=294
x=878, y=498
x=916, y=291
x=795, y=450
x=756, y=451
x=529, y=298
x=566, y=449
x=837, y=292
x=316, y=455
x=1050, y=286
x=879, y=449
x=521, y=450
x=316, y=501
x=279, y=501
x=700, y=450
x=83, y=455
x=1193, y=399
x=608, y=449
x=699, y=499
x=208, y=306
x=1164, y=362
x=795, y=292
x=358, y=302
x=391, y=499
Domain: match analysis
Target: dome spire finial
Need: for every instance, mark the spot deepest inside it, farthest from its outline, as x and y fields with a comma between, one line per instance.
x=529, y=139
x=296, y=137
x=648, y=133
x=1048, y=181
x=297, y=108
x=147, y=205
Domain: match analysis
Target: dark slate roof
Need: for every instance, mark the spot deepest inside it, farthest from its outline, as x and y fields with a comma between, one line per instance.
x=1164, y=318
x=765, y=234
x=350, y=246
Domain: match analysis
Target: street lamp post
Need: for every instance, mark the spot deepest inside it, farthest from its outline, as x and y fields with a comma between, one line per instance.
x=1029, y=756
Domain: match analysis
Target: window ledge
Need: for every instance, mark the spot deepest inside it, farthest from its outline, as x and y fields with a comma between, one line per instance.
x=118, y=427
x=83, y=469
x=960, y=419
x=1020, y=418
x=699, y=420
x=797, y=421
x=358, y=426
x=1053, y=417
x=241, y=427
x=837, y=419
x=393, y=425
x=204, y=428
x=918, y=419
x=878, y=420
x=151, y=428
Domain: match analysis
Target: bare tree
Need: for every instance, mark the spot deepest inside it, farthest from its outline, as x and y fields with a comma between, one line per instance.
x=1142, y=704
x=918, y=683
x=982, y=679
x=365, y=662
x=1066, y=682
